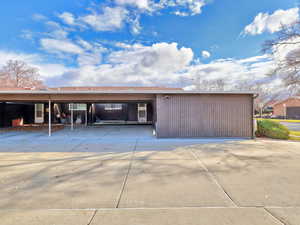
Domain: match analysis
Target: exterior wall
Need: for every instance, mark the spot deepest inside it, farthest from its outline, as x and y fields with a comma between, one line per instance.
x=278, y=109
x=204, y=115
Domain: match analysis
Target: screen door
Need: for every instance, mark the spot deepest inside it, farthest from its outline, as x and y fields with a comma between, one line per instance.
x=39, y=113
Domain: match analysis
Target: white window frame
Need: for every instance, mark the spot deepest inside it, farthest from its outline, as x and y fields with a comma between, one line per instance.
x=113, y=106
x=77, y=107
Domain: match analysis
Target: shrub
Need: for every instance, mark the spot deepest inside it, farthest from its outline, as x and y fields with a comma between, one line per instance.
x=272, y=129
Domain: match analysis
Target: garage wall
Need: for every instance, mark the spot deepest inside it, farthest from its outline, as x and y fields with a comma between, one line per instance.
x=204, y=115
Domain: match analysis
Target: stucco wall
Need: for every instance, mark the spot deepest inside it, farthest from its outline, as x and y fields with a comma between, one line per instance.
x=204, y=115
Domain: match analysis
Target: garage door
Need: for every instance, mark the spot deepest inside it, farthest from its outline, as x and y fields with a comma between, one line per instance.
x=293, y=112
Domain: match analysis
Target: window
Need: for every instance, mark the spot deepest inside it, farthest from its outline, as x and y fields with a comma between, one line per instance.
x=39, y=110
x=113, y=107
x=77, y=107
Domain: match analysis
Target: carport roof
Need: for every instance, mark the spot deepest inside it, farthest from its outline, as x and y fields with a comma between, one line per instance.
x=124, y=92
x=112, y=90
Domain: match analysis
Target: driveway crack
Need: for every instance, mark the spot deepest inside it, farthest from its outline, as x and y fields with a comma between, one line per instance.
x=274, y=217
x=126, y=176
x=214, y=179
x=93, y=216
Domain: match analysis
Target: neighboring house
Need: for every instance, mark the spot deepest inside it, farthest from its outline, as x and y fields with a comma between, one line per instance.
x=172, y=112
x=287, y=108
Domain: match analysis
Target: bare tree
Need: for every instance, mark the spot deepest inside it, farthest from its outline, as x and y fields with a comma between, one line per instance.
x=285, y=48
x=265, y=94
x=210, y=85
x=18, y=74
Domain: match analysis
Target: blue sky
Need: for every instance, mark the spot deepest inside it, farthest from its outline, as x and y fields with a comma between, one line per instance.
x=142, y=42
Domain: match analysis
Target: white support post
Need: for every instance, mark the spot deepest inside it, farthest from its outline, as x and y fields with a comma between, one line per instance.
x=284, y=111
x=72, y=116
x=86, y=115
x=49, y=122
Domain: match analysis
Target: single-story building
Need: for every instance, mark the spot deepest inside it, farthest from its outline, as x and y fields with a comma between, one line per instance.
x=287, y=108
x=172, y=112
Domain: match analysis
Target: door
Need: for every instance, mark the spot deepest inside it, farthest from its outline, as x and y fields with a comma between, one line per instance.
x=142, y=112
x=39, y=113
x=293, y=112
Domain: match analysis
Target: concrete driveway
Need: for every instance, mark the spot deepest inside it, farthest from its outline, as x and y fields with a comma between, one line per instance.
x=129, y=177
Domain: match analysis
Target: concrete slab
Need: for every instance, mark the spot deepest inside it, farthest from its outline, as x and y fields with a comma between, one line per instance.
x=157, y=155
x=105, y=147
x=255, y=173
x=186, y=216
x=61, y=184
x=61, y=156
x=290, y=216
x=45, y=217
x=170, y=183
x=170, y=144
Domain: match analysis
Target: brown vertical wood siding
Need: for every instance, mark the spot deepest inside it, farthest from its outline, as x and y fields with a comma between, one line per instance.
x=204, y=115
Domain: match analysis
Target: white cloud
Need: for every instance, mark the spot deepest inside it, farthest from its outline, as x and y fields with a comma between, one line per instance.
x=285, y=52
x=89, y=58
x=135, y=25
x=85, y=44
x=160, y=57
x=60, y=46
x=141, y=4
x=109, y=20
x=271, y=23
x=191, y=7
x=158, y=64
x=39, y=17
x=179, y=13
x=67, y=18
x=27, y=34
x=167, y=64
x=205, y=54
x=112, y=18
x=56, y=31
x=46, y=70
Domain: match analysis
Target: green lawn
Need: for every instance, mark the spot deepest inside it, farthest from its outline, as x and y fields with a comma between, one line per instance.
x=292, y=133
x=295, y=133
x=281, y=120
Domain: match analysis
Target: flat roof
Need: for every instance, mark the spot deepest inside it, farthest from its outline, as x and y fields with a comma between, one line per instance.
x=52, y=92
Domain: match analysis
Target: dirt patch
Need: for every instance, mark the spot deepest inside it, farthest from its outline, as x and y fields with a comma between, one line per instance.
x=34, y=127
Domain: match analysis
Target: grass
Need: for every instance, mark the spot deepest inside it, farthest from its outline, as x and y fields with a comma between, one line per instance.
x=272, y=129
x=281, y=120
x=294, y=135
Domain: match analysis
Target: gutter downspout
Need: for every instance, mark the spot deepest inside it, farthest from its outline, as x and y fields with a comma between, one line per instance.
x=254, y=124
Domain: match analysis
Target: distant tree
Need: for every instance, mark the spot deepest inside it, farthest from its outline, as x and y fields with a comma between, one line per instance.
x=210, y=85
x=18, y=74
x=265, y=94
x=285, y=48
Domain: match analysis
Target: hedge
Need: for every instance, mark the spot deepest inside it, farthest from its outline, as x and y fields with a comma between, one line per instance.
x=272, y=129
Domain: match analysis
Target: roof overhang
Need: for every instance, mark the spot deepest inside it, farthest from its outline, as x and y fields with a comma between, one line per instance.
x=181, y=92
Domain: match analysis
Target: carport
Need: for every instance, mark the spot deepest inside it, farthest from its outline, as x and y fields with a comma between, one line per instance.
x=174, y=112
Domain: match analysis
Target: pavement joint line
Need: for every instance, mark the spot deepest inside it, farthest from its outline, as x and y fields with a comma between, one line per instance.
x=143, y=208
x=76, y=146
x=214, y=179
x=127, y=174
x=275, y=217
x=93, y=216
